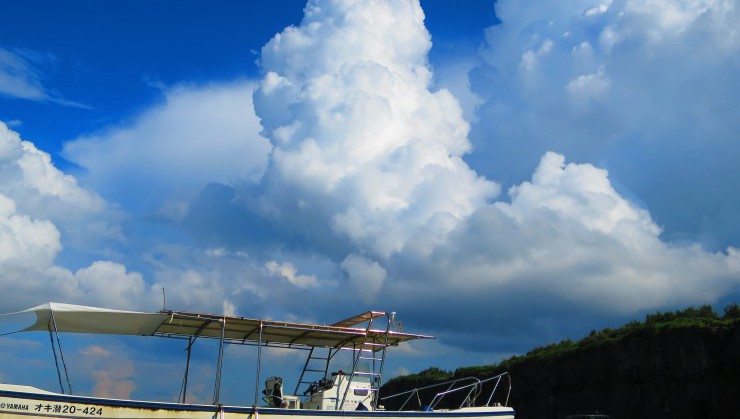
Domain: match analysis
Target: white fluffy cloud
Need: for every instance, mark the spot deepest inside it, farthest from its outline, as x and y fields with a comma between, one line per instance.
x=109, y=284
x=577, y=193
x=648, y=89
x=28, y=249
x=604, y=249
x=23, y=240
x=361, y=142
x=39, y=190
x=28, y=172
x=287, y=271
x=199, y=134
x=36, y=198
x=568, y=235
x=363, y=146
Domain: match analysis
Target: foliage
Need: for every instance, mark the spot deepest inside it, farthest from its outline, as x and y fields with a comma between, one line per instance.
x=701, y=317
x=427, y=376
x=732, y=312
x=704, y=312
x=704, y=316
x=435, y=373
x=477, y=371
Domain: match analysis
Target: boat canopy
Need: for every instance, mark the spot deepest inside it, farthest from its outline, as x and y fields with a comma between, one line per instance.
x=240, y=330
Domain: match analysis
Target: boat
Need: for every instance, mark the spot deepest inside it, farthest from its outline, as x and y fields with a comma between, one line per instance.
x=322, y=390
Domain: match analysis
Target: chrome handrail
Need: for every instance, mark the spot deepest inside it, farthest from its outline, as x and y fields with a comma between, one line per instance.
x=452, y=388
x=473, y=386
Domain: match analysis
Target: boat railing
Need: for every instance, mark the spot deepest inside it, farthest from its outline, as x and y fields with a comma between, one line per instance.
x=473, y=385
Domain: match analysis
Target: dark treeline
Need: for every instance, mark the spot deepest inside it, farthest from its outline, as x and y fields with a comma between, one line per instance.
x=683, y=363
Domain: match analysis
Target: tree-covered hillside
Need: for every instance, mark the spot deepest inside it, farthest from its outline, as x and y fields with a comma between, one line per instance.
x=679, y=364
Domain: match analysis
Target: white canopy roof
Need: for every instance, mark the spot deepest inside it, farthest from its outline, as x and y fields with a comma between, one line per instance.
x=83, y=319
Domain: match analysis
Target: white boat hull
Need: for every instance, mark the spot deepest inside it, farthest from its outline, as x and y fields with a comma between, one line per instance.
x=24, y=402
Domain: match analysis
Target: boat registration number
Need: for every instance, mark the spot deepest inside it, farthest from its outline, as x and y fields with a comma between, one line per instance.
x=69, y=409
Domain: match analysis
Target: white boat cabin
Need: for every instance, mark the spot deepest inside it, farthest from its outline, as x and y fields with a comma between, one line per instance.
x=324, y=394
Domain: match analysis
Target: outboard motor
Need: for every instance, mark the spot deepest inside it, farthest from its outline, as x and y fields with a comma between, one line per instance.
x=273, y=392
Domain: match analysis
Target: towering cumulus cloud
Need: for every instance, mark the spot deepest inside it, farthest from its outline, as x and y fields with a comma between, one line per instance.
x=361, y=143
x=363, y=146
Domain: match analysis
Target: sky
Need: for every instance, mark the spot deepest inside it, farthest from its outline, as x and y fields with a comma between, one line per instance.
x=501, y=175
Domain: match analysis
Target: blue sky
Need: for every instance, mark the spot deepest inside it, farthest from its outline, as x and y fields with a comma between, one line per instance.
x=502, y=176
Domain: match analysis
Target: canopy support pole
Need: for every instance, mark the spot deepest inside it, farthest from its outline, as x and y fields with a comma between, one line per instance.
x=217, y=387
x=259, y=366
x=191, y=342
x=61, y=352
x=56, y=362
x=187, y=370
